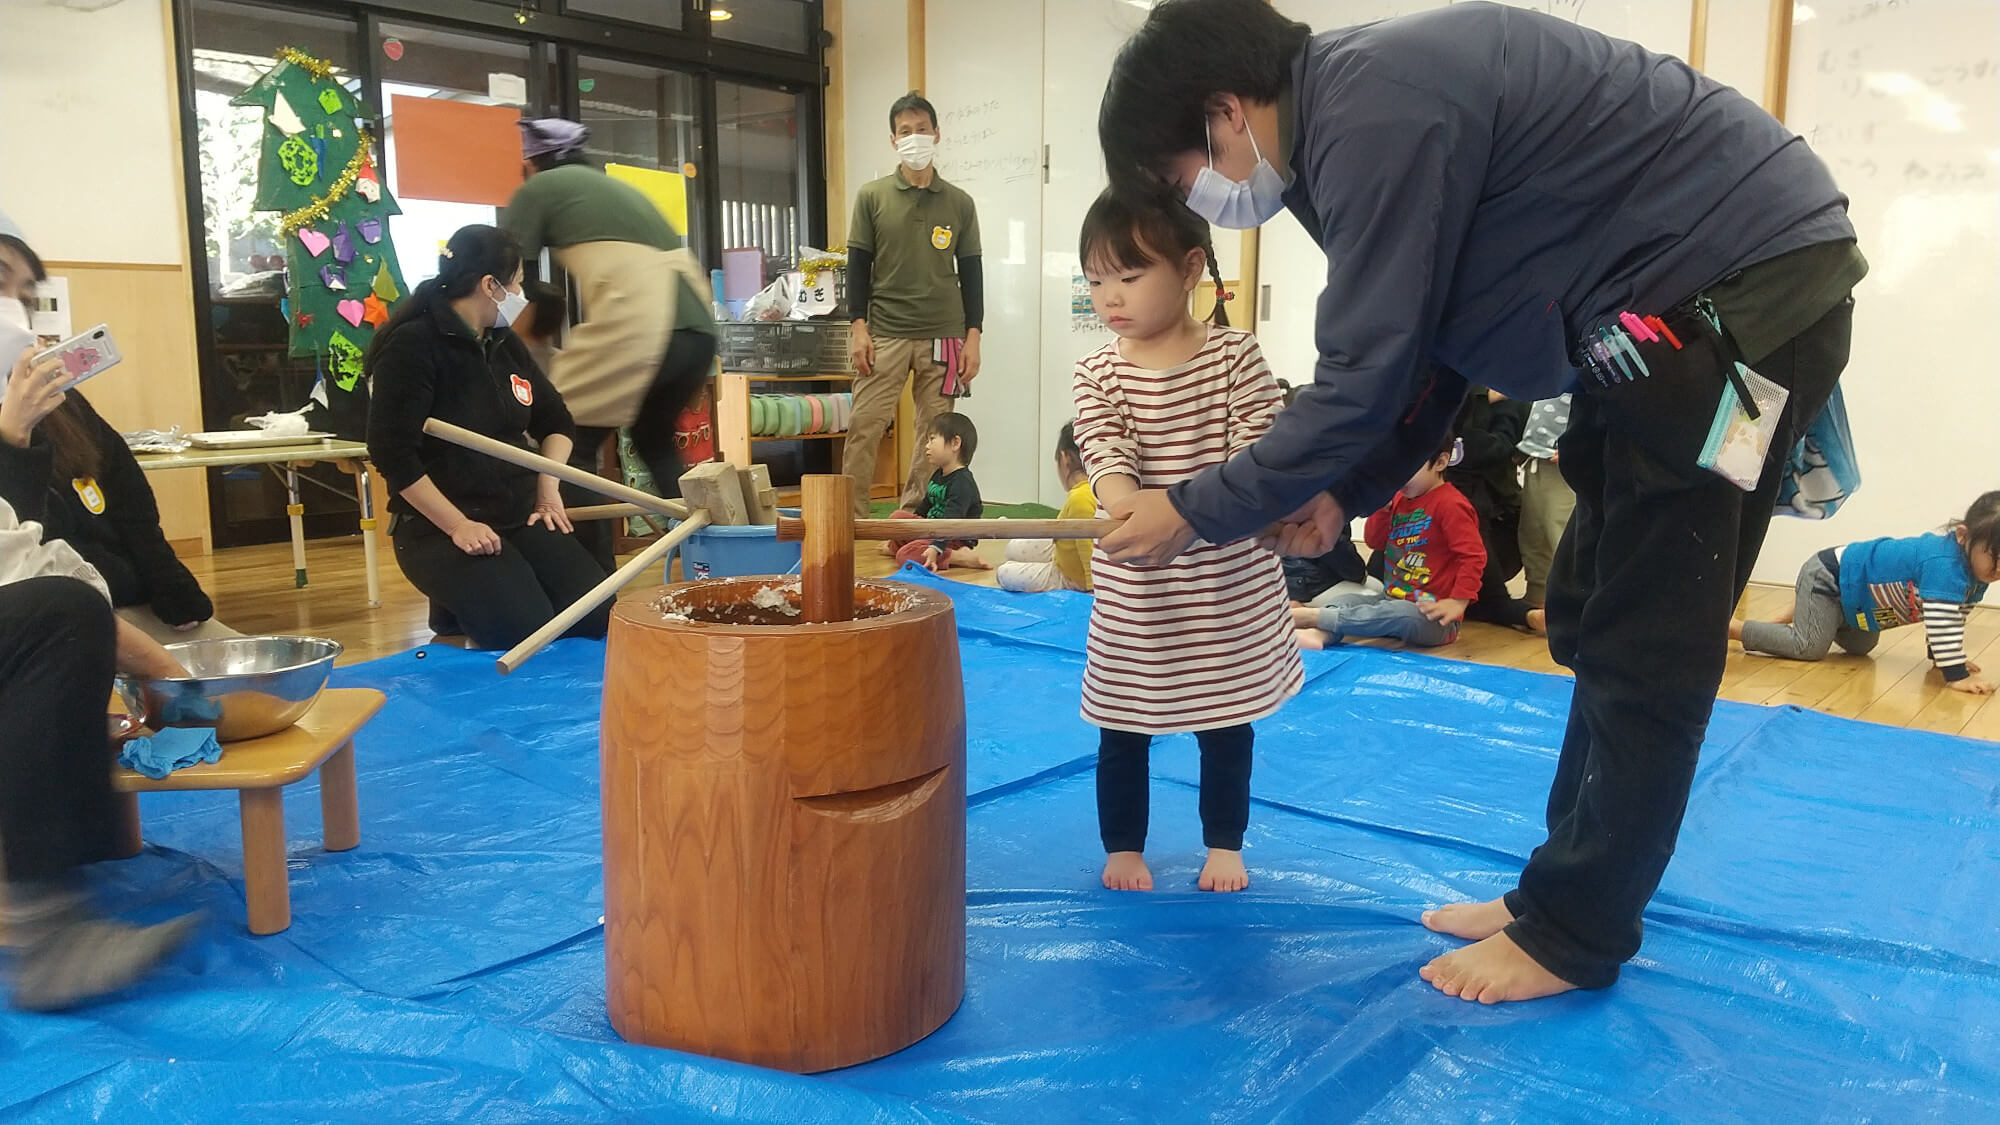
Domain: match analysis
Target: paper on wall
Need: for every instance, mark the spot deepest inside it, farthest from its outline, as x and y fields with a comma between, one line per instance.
x=50, y=318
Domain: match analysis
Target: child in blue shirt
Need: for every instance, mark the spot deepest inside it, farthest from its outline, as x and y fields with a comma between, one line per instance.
x=1849, y=595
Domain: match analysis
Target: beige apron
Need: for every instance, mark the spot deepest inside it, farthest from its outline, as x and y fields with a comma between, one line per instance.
x=629, y=293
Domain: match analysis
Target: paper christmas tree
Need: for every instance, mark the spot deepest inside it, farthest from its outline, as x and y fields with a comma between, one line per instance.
x=319, y=166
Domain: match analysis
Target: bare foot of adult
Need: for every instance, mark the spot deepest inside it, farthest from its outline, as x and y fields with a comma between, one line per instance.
x=1224, y=871
x=1538, y=622
x=1127, y=871
x=1473, y=921
x=1493, y=971
x=1313, y=640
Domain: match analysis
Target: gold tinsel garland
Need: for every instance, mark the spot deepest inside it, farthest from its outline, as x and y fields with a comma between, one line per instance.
x=811, y=267
x=318, y=68
x=320, y=208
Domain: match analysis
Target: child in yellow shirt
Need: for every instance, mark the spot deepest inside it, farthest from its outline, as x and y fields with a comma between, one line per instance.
x=1037, y=565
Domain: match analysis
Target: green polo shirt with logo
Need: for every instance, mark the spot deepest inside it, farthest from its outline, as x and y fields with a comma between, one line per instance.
x=917, y=236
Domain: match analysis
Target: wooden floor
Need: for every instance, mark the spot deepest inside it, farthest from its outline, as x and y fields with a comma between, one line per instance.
x=254, y=593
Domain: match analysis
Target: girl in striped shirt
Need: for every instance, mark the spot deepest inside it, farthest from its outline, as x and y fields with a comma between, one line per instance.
x=1205, y=643
x=1849, y=595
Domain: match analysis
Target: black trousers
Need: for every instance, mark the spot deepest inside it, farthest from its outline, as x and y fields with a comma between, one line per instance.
x=500, y=599
x=1639, y=602
x=1501, y=533
x=684, y=370
x=1123, y=796
x=1306, y=579
x=57, y=647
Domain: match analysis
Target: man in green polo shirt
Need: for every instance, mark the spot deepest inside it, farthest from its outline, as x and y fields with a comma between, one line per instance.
x=648, y=338
x=917, y=295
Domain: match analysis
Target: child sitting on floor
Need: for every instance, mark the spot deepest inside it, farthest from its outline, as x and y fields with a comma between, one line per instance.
x=1433, y=564
x=1849, y=595
x=1035, y=566
x=952, y=494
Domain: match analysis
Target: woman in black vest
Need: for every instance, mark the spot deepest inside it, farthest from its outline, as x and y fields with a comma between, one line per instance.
x=485, y=540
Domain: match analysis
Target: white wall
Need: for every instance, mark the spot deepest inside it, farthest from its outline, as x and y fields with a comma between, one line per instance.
x=86, y=129
x=874, y=38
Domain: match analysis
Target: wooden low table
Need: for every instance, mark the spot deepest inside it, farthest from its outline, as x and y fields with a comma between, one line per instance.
x=259, y=769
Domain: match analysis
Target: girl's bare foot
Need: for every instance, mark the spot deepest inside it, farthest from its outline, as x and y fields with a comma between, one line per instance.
x=1493, y=971
x=1473, y=921
x=1127, y=871
x=1224, y=871
x=1313, y=639
x=1538, y=622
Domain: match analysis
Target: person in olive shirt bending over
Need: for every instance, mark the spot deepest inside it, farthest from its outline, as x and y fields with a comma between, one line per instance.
x=647, y=342
x=487, y=541
x=916, y=291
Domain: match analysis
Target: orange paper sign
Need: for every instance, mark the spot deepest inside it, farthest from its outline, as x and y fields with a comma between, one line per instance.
x=456, y=152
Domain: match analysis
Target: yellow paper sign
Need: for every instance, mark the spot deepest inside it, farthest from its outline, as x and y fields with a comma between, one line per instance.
x=667, y=190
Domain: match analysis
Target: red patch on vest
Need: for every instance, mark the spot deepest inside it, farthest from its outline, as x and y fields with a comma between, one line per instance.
x=523, y=390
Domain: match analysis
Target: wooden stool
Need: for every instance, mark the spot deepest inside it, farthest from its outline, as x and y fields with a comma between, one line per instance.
x=259, y=769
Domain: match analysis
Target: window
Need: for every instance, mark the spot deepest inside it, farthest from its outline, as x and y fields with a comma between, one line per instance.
x=757, y=173
x=644, y=117
x=778, y=24
x=427, y=63
x=652, y=13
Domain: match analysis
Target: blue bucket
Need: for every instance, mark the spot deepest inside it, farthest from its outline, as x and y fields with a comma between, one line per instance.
x=735, y=552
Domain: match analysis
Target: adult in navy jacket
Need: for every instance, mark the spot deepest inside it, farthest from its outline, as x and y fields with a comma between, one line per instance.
x=1525, y=204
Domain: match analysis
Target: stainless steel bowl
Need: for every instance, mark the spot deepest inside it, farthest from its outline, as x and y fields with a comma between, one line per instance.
x=245, y=687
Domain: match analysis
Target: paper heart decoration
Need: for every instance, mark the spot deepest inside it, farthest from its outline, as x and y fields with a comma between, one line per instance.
x=375, y=311
x=285, y=118
x=370, y=230
x=329, y=100
x=315, y=242
x=351, y=312
x=343, y=245
x=332, y=278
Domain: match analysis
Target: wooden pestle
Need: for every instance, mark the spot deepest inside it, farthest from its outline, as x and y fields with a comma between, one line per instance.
x=793, y=530
x=826, y=564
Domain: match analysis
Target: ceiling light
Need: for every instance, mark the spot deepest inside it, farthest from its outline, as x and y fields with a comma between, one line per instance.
x=720, y=14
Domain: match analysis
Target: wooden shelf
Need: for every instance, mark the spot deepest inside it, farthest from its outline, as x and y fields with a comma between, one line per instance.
x=735, y=444
x=756, y=378
x=755, y=438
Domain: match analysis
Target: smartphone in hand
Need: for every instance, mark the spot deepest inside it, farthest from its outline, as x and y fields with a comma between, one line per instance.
x=85, y=355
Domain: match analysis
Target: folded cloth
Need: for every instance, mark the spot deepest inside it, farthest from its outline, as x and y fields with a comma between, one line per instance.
x=175, y=748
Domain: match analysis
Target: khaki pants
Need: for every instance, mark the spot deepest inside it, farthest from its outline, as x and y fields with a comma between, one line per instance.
x=1546, y=503
x=875, y=399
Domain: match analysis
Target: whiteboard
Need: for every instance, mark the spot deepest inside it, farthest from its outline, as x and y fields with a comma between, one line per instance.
x=1902, y=99
x=984, y=75
x=1291, y=270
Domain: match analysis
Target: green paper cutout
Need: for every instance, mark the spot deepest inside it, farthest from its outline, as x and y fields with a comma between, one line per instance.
x=385, y=286
x=344, y=358
x=329, y=100
x=586, y=84
x=297, y=158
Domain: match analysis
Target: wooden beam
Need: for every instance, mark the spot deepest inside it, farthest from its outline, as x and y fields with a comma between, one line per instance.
x=1778, y=60
x=832, y=11
x=1698, y=36
x=917, y=45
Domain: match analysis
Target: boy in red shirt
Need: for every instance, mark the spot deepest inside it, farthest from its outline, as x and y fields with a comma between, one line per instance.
x=1432, y=572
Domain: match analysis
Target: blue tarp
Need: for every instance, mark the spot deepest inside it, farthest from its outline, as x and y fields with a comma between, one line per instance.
x=1821, y=949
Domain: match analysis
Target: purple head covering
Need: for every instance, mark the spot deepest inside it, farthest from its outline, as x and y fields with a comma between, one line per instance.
x=546, y=136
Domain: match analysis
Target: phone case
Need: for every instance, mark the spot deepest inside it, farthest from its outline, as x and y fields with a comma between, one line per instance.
x=86, y=355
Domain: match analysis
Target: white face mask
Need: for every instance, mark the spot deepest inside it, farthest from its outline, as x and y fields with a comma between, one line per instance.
x=512, y=305
x=1229, y=203
x=16, y=334
x=917, y=150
